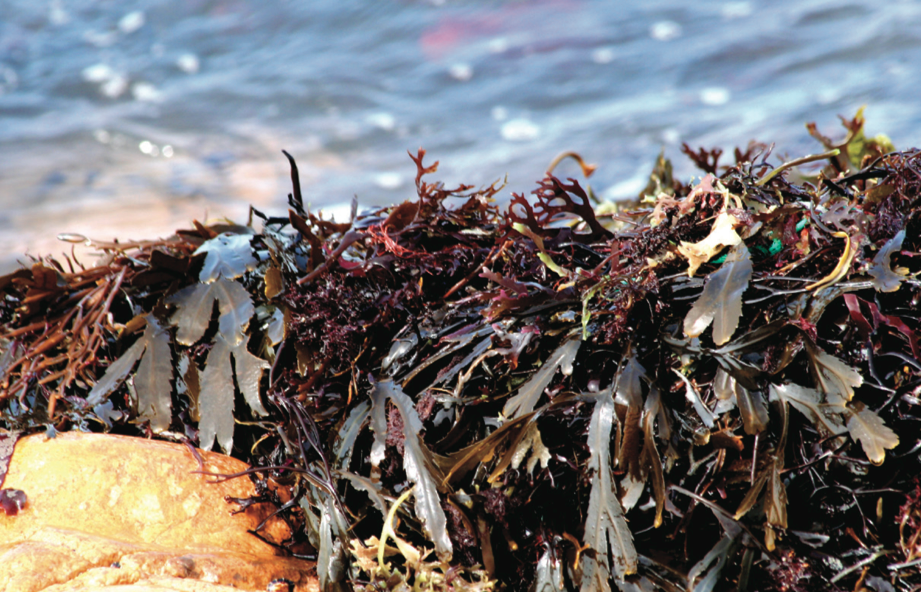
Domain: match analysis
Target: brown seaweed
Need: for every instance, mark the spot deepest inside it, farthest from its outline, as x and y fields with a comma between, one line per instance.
x=453, y=394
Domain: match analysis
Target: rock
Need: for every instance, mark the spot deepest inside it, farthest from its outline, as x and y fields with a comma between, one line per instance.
x=117, y=513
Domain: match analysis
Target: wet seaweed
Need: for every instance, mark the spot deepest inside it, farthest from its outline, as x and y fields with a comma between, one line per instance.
x=690, y=392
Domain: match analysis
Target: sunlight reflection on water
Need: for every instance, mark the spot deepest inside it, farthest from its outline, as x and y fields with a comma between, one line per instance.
x=131, y=121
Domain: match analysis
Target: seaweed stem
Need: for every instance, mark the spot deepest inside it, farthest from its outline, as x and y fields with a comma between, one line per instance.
x=722, y=512
x=297, y=198
x=587, y=169
x=493, y=255
x=840, y=270
x=879, y=552
x=796, y=162
x=347, y=240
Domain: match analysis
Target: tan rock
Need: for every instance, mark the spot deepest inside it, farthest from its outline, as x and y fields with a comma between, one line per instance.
x=106, y=512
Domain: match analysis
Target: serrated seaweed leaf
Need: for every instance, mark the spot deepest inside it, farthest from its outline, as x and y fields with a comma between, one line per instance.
x=456, y=344
x=228, y=256
x=531, y=441
x=465, y=364
x=326, y=550
x=605, y=525
x=633, y=482
x=465, y=459
x=724, y=387
x=549, y=576
x=421, y=471
x=775, y=495
x=274, y=282
x=153, y=380
x=216, y=394
x=595, y=575
x=332, y=557
x=693, y=397
x=721, y=235
x=116, y=372
x=370, y=487
x=249, y=369
x=753, y=495
x=628, y=389
x=868, y=428
x=629, y=447
x=775, y=492
x=196, y=303
x=216, y=398
x=275, y=327
x=518, y=445
x=833, y=377
x=719, y=554
x=751, y=408
x=154, y=377
x=750, y=403
x=775, y=502
x=379, y=428
x=808, y=402
x=721, y=301
x=529, y=394
x=189, y=383
x=236, y=308
x=884, y=278
x=419, y=467
x=348, y=433
x=653, y=409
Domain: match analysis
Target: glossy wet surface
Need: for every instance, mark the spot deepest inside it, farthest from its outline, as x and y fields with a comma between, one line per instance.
x=129, y=121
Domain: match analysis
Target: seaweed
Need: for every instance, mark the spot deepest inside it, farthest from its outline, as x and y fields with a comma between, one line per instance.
x=554, y=393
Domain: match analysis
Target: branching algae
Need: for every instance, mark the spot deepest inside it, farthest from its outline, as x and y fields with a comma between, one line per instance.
x=700, y=390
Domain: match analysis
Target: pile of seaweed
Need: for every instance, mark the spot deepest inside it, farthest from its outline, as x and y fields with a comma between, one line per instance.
x=717, y=387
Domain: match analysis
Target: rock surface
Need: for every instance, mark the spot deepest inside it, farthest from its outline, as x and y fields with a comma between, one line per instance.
x=116, y=513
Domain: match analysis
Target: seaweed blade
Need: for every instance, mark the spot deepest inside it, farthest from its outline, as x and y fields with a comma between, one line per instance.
x=834, y=378
x=196, y=303
x=249, y=369
x=605, y=525
x=116, y=372
x=721, y=301
x=217, y=390
x=228, y=256
x=873, y=434
x=153, y=380
x=549, y=574
x=419, y=468
x=527, y=397
x=154, y=376
x=216, y=398
x=808, y=402
x=884, y=278
x=722, y=235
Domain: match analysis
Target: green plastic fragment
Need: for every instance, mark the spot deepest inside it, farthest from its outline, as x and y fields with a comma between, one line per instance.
x=802, y=224
x=759, y=251
x=776, y=246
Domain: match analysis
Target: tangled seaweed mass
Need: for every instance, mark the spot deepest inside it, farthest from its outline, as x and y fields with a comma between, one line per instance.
x=717, y=387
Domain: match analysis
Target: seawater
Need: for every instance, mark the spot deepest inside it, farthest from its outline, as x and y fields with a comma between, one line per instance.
x=129, y=119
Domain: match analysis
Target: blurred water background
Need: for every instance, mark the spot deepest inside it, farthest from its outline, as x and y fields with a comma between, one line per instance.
x=129, y=119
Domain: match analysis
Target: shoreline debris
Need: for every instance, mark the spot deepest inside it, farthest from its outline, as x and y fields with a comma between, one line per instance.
x=693, y=391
